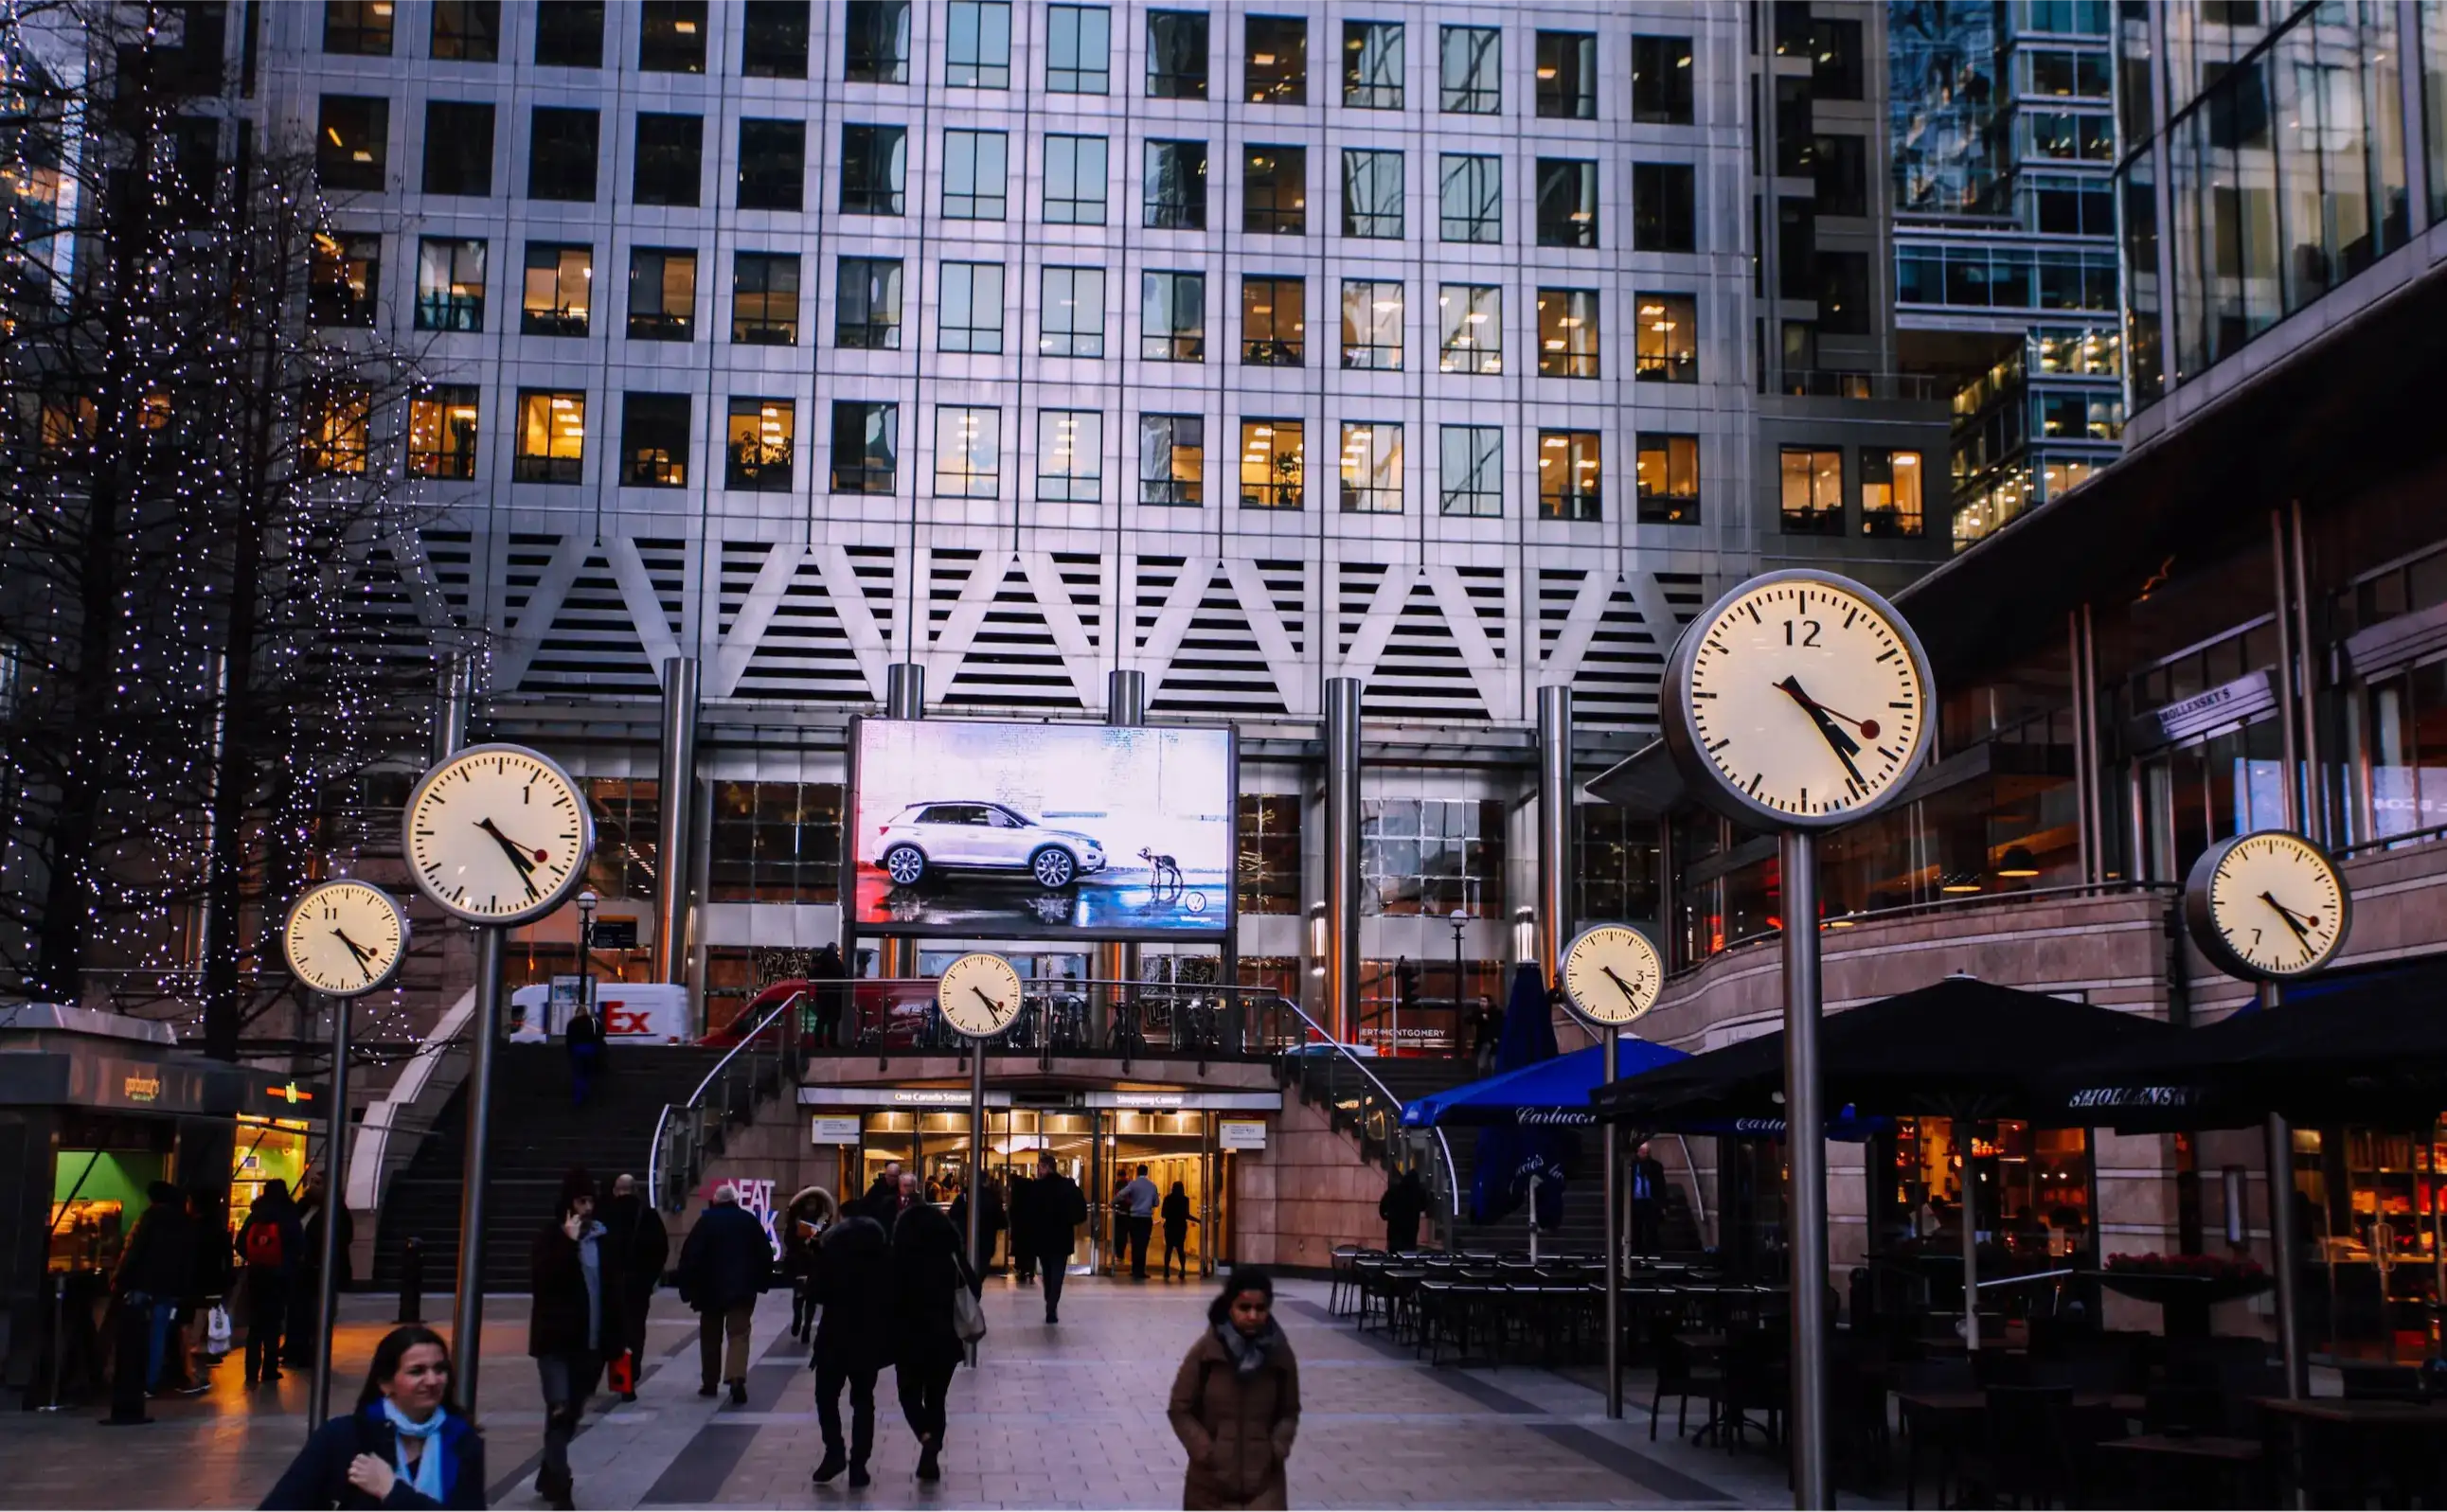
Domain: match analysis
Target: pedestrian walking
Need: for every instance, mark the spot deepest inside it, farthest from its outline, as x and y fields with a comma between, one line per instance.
x=1486, y=1033
x=572, y=1275
x=1236, y=1400
x=803, y=1223
x=407, y=1444
x=1177, y=1218
x=155, y=1271
x=726, y=1263
x=853, y=1289
x=990, y=1225
x=883, y=1198
x=1647, y=1202
x=1404, y=1204
x=584, y=1040
x=269, y=1245
x=1056, y=1208
x=314, y=1209
x=926, y=1270
x=1137, y=1201
x=639, y=1244
x=1022, y=1205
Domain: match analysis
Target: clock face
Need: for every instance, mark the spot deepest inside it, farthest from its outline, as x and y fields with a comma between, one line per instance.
x=2268, y=905
x=979, y=994
x=1799, y=702
x=498, y=835
x=1611, y=974
x=345, y=938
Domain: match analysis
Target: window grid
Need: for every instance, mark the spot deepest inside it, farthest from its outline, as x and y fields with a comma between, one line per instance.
x=1567, y=334
x=1665, y=338
x=1075, y=180
x=1274, y=190
x=1372, y=65
x=662, y=293
x=551, y=444
x=1890, y=493
x=1172, y=314
x=655, y=441
x=974, y=176
x=968, y=452
x=1371, y=324
x=560, y=286
x=1274, y=322
x=1469, y=66
x=977, y=51
x=1371, y=194
x=1471, y=470
x=1570, y=479
x=972, y=307
x=1371, y=468
x=868, y=316
x=1469, y=198
x=1078, y=49
x=1812, y=483
x=1172, y=459
x=865, y=446
x=765, y=298
x=450, y=285
x=1274, y=464
x=442, y=432
x=1176, y=185
x=760, y=442
x=1070, y=456
x=1471, y=324
x=1666, y=471
x=1073, y=313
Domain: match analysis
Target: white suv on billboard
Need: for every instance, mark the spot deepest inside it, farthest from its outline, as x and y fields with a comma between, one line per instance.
x=984, y=837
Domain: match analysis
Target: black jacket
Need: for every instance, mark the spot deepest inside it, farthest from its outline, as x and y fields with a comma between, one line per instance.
x=726, y=1261
x=635, y=1233
x=159, y=1261
x=1054, y=1211
x=1404, y=1204
x=1175, y=1213
x=556, y=1280
x=926, y=1271
x=319, y=1476
x=853, y=1283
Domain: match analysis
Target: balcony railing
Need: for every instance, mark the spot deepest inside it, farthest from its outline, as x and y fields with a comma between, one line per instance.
x=1822, y=383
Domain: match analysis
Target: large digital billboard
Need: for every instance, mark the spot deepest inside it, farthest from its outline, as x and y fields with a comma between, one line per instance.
x=1017, y=830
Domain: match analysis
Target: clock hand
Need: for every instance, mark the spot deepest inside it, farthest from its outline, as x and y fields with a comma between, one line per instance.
x=2291, y=921
x=992, y=1006
x=1845, y=746
x=363, y=956
x=1868, y=727
x=1628, y=995
x=516, y=852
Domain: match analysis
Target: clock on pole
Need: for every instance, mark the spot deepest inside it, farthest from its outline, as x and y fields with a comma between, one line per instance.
x=979, y=994
x=2269, y=906
x=345, y=938
x=1799, y=702
x=1610, y=977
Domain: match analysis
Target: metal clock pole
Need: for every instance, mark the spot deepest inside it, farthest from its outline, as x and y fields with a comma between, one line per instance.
x=1612, y=1040
x=976, y=1151
x=1805, y=1144
x=335, y=1115
x=467, y=1300
x=1609, y=976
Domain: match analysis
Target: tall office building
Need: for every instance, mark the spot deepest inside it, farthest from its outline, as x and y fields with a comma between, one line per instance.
x=1001, y=338
x=2003, y=138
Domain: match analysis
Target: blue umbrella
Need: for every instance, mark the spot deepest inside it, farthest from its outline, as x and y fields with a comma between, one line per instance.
x=1511, y=1157
x=1552, y=1093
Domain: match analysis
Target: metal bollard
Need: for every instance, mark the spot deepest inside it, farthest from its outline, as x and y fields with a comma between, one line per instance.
x=411, y=1281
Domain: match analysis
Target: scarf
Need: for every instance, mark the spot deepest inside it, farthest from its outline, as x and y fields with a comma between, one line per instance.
x=427, y=1478
x=1248, y=1355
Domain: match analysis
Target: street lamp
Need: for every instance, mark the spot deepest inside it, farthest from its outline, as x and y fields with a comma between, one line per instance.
x=1525, y=935
x=1317, y=940
x=586, y=901
x=1460, y=917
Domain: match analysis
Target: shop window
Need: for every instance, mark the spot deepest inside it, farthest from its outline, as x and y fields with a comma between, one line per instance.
x=1172, y=459
x=562, y=146
x=671, y=159
x=1811, y=486
x=1273, y=320
x=873, y=170
x=976, y=49
x=569, y=34
x=1371, y=324
x=972, y=307
x=1172, y=315
x=1274, y=464
x=865, y=446
x=1668, y=479
x=343, y=279
x=765, y=298
x=670, y=37
x=1664, y=214
x=875, y=41
x=975, y=177
x=1070, y=456
x=558, y=291
x=1266, y=868
x=662, y=294
x=1371, y=194
x=1469, y=198
x=1661, y=94
x=551, y=436
x=1470, y=320
x=458, y=149
x=450, y=285
x=1567, y=202
x=1568, y=75
x=773, y=39
x=760, y=446
x=442, y=432
x=467, y=30
x=1176, y=55
x=1891, y=497
x=351, y=150
x=1176, y=185
x=1470, y=70
x=1075, y=178
x=775, y=842
x=1274, y=190
x=2031, y=1192
x=772, y=164
x=1073, y=313
x=1567, y=333
x=358, y=29
x=1371, y=468
x=1570, y=479
x=867, y=313
x=968, y=452
x=1372, y=65
x=1431, y=857
x=1277, y=61
x=1078, y=49
x=1471, y=470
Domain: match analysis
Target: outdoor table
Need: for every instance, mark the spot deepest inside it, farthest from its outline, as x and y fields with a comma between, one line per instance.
x=1918, y=1407
x=2184, y=1301
x=2232, y=1461
x=2360, y=1423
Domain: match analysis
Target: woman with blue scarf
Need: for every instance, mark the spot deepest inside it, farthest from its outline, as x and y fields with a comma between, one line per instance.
x=406, y=1446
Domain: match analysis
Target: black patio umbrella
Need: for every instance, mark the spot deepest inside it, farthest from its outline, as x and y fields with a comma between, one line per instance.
x=1961, y=1048
x=2362, y=1050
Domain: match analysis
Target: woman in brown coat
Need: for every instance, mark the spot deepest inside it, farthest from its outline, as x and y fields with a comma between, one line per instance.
x=1236, y=1402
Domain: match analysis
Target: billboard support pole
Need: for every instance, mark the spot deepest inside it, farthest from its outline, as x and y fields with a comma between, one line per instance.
x=676, y=788
x=1126, y=701
x=1342, y=715
x=904, y=697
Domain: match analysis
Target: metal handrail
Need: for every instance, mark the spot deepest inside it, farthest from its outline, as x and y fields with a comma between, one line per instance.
x=1444, y=1147
x=696, y=1100
x=2381, y=843
x=1873, y=916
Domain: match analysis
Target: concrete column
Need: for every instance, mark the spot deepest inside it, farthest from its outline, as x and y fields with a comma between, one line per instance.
x=1555, y=867
x=1118, y=960
x=675, y=838
x=453, y=706
x=1342, y=715
x=904, y=691
x=1126, y=699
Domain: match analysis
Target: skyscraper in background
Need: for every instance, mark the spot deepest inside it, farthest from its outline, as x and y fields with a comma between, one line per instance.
x=2003, y=133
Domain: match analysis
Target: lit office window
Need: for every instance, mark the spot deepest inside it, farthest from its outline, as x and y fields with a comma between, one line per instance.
x=1277, y=61
x=1371, y=468
x=760, y=446
x=551, y=445
x=1070, y=456
x=1274, y=321
x=1274, y=464
x=336, y=418
x=558, y=290
x=1568, y=75
x=1667, y=474
x=1567, y=333
x=442, y=432
x=1470, y=320
x=1812, y=484
x=1890, y=484
x=1569, y=476
x=1274, y=190
x=1665, y=339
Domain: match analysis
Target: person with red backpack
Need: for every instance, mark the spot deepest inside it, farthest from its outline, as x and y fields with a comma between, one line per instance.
x=270, y=1245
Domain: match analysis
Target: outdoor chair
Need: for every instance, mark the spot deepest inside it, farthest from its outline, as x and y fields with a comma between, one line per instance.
x=1758, y=1378
x=2024, y=1455
x=1343, y=1278
x=1678, y=1375
x=1945, y=1434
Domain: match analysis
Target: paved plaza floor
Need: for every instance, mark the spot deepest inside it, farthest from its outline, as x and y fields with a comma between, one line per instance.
x=1070, y=1416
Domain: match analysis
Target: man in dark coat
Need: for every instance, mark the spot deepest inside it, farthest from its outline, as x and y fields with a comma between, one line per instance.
x=154, y=1272
x=314, y=1208
x=853, y=1286
x=829, y=986
x=1022, y=1208
x=584, y=1039
x=1648, y=1201
x=926, y=1270
x=725, y=1264
x=1404, y=1204
x=575, y=1282
x=883, y=1199
x=639, y=1243
x=1055, y=1211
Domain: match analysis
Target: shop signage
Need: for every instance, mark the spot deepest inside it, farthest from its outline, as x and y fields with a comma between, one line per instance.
x=2226, y=704
x=1168, y=1102
x=2113, y=1097
x=140, y=1088
x=615, y=935
x=1240, y=1134
x=909, y=1097
x=836, y=1129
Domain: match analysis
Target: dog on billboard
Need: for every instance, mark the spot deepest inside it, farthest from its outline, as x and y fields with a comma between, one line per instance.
x=1167, y=871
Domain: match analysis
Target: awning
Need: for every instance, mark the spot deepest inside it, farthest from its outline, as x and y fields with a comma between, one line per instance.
x=2360, y=1050
x=1548, y=1093
x=1961, y=1048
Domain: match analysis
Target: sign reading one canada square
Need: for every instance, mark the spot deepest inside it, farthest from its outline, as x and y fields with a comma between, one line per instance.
x=992, y=830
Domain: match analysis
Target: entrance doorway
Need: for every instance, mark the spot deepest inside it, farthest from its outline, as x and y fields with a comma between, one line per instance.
x=1177, y=1149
